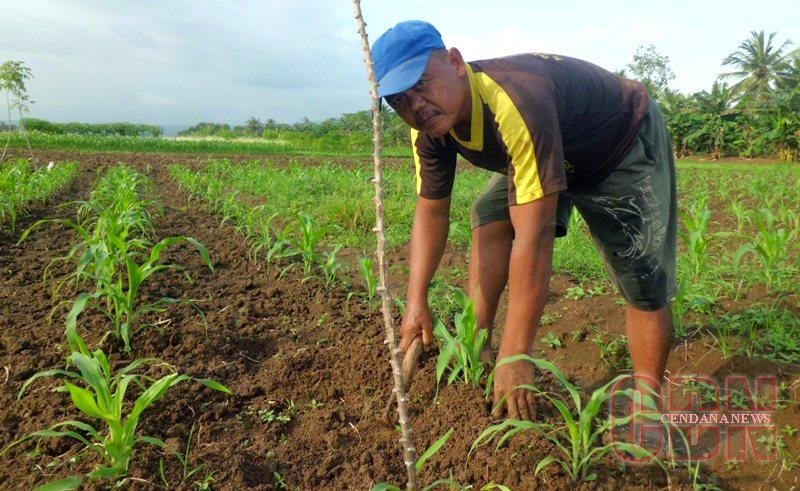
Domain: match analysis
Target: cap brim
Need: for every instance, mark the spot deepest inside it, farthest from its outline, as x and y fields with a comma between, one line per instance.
x=403, y=76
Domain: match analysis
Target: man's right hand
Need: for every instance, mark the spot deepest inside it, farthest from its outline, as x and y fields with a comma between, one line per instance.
x=417, y=321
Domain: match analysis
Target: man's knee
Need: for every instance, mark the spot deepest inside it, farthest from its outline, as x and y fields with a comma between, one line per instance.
x=499, y=231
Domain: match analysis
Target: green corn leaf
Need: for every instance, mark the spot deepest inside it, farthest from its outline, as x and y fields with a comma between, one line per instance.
x=92, y=375
x=45, y=373
x=385, y=487
x=203, y=252
x=433, y=449
x=84, y=401
x=545, y=462
x=74, y=340
x=445, y=354
x=151, y=395
x=152, y=441
x=81, y=426
x=66, y=484
x=213, y=384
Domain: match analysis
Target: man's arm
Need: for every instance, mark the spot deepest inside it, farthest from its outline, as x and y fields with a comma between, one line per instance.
x=528, y=285
x=428, y=239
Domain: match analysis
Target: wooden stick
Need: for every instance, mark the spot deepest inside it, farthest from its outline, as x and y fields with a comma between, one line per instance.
x=386, y=299
x=410, y=361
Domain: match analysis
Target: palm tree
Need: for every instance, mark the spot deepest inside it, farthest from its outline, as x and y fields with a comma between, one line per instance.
x=759, y=65
x=791, y=76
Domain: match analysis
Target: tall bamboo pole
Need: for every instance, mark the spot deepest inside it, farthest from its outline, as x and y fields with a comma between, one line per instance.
x=395, y=358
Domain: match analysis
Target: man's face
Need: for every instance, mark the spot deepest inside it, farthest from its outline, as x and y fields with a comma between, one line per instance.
x=439, y=100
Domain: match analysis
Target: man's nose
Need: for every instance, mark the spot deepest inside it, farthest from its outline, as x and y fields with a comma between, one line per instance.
x=415, y=101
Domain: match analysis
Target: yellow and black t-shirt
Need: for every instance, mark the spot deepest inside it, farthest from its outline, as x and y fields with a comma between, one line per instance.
x=546, y=121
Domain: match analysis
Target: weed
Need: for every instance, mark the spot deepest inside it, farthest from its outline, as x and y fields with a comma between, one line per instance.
x=615, y=352
x=551, y=340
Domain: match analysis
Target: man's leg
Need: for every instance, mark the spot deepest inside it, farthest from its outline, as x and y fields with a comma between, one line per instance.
x=488, y=273
x=649, y=337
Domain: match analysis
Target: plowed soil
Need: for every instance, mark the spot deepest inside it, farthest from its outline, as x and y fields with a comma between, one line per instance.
x=279, y=343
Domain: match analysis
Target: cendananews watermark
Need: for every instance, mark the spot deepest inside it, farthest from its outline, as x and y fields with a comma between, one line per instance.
x=698, y=418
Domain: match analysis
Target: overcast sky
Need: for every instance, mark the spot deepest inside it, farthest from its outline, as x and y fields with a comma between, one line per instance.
x=180, y=62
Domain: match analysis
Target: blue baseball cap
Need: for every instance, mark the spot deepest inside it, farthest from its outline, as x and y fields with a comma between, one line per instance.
x=401, y=55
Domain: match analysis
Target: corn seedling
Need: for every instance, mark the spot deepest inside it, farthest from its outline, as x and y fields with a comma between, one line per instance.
x=369, y=280
x=330, y=266
x=306, y=244
x=460, y=354
x=739, y=210
x=116, y=253
x=99, y=393
x=697, y=239
x=578, y=438
x=122, y=292
x=771, y=245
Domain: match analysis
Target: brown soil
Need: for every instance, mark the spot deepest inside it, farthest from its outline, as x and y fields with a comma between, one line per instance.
x=274, y=340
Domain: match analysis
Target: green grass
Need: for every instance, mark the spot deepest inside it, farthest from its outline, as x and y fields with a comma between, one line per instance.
x=44, y=141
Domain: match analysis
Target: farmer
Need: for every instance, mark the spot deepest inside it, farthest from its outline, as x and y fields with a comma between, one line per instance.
x=557, y=132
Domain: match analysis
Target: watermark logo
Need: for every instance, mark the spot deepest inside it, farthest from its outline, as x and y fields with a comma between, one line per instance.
x=696, y=418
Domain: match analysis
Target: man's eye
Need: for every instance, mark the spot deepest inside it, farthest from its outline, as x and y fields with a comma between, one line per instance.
x=422, y=83
x=398, y=99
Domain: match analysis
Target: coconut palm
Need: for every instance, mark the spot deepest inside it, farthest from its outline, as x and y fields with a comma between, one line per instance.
x=759, y=65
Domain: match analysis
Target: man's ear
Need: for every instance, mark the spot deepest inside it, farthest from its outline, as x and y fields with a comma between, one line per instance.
x=457, y=61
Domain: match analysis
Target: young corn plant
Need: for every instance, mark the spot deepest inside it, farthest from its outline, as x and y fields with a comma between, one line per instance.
x=740, y=211
x=771, y=245
x=330, y=266
x=307, y=243
x=369, y=280
x=697, y=239
x=460, y=354
x=578, y=439
x=99, y=393
x=121, y=293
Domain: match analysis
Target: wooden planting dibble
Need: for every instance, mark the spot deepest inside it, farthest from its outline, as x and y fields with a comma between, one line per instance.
x=410, y=360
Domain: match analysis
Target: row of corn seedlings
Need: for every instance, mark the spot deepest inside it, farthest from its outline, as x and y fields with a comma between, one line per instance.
x=117, y=253
x=115, y=256
x=296, y=243
x=21, y=185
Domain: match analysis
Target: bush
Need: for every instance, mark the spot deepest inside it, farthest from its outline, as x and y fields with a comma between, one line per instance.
x=92, y=129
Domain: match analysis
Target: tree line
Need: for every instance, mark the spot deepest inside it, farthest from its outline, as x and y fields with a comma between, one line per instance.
x=758, y=114
x=752, y=110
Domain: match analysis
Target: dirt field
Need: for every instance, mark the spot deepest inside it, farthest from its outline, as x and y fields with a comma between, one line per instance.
x=274, y=340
